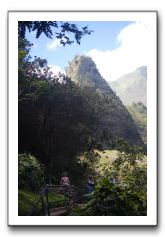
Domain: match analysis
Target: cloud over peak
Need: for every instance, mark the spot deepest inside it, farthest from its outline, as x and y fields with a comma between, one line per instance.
x=55, y=69
x=131, y=53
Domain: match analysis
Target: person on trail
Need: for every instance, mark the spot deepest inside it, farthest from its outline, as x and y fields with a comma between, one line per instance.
x=64, y=179
x=90, y=184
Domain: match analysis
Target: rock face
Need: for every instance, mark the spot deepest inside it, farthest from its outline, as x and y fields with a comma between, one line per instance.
x=113, y=121
x=132, y=87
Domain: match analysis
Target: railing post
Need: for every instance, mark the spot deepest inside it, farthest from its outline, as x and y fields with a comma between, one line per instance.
x=47, y=200
x=43, y=206
x=65, y=202
x=70, y=198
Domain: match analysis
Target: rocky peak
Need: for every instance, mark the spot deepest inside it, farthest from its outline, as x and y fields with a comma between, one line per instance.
x=113, y=119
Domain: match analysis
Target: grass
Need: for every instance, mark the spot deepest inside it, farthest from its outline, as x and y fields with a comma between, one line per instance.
x=111, y=155
x=26, y=201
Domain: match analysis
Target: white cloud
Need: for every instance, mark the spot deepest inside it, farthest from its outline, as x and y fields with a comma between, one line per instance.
x=55, y=69
x=133, y=52
x=54, y=44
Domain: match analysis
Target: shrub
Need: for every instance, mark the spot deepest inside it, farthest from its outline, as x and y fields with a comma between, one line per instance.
x=109, y=199
x=30, y=173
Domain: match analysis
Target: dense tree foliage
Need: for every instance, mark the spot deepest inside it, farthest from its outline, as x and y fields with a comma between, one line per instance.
x=56, y=124
x=121, y=184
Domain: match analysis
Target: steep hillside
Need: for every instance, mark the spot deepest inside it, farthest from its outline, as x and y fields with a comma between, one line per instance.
x=138, y=112
x=112, y=120
x=132, y=87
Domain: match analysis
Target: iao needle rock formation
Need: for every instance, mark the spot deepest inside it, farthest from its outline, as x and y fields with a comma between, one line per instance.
x=112, y=120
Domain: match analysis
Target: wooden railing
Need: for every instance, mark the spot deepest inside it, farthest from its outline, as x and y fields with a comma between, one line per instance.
x=48, y=207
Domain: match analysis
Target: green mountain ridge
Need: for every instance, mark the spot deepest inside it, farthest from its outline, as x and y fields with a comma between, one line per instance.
x=113, y=121
x=132, y=87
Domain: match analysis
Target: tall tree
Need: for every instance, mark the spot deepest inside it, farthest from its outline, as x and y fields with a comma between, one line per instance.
x=54, y=115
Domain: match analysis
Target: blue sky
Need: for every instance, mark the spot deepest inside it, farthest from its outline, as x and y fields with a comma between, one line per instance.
x=106, y=40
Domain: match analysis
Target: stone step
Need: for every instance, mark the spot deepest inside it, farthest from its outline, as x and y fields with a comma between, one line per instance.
x=59, y=211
